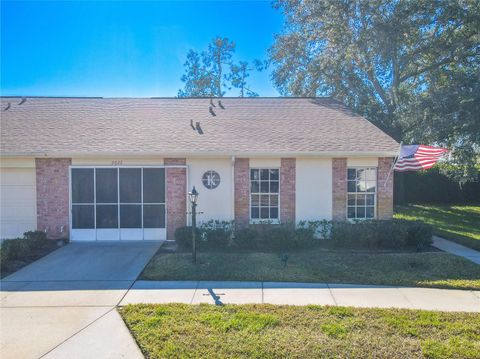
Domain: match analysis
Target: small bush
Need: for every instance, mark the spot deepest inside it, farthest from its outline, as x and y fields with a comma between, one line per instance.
x=276, y=237
x=389, y=234
x=324, y=229
x=183, y=236
x=14, y=249
x=36, y=239
x=246, y=238
x=305, y=231
x=217, y=233
x=419, y=235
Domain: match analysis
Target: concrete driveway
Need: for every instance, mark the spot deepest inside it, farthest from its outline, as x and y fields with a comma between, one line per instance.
x=59, y=305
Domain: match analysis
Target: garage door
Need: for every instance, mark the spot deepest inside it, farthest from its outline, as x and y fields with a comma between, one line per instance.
x=18, y=201
x=117, y=203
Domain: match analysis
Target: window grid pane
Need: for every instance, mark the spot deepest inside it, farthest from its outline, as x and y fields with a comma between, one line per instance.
x=361, y=192
x=264, y=194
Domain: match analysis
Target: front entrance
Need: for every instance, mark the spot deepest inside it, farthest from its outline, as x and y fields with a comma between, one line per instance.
x=117, y=203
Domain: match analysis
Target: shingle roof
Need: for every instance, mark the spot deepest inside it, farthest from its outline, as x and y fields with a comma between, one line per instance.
x=162, y=126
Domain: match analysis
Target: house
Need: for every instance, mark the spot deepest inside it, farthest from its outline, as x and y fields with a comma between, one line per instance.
x=121, y=168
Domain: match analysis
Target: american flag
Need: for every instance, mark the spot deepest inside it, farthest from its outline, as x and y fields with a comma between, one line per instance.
x=418, y=157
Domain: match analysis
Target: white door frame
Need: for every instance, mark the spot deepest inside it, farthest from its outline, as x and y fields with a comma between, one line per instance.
x=112, y=233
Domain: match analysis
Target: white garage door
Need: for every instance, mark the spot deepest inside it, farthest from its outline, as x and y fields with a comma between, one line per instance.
x=117, y=203
x=18, y=211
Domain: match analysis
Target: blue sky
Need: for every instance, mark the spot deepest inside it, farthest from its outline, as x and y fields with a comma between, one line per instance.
x=120, y=48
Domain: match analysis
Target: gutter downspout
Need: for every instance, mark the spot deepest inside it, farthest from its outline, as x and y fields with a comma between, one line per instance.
x=232, y=190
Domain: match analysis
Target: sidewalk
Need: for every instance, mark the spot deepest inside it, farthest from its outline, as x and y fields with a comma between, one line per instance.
x=456, y=249
x=196, y=292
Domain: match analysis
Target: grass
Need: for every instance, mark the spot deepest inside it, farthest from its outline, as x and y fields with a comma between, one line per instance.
x=267, y=331
x=458, y=223
x=425, y=269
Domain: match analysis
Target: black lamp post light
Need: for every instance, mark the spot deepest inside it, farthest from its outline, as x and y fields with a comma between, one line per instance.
x=193, y=196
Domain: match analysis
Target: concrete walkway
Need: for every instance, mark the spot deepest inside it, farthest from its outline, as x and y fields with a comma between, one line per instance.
x=193, y=292
x=456, y=249
x=64, y=305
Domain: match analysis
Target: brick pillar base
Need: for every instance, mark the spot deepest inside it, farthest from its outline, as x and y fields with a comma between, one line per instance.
x=52, y=176
x=384, y=190
x=242, y=192
x=339, y=189
x=287, y=190
x=176, y=178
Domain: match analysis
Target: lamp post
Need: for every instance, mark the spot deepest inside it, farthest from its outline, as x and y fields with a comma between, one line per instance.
x=193, y=196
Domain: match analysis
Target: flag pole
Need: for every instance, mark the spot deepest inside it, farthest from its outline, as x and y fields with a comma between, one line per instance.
x=393, y=165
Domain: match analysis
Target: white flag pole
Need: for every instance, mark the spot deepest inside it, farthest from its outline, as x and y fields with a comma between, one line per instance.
x=393, y=165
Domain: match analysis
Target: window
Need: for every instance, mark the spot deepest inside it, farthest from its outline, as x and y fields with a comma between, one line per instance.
x=362, y=190
x=264, y=194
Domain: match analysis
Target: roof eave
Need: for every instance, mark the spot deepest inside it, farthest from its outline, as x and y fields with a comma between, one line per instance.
x=205, y=154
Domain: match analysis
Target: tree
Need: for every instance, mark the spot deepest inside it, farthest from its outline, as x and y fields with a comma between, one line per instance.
x=197, y=78
x=219, y=53
x=411, y=67
x=238, y=78
x=212, y=72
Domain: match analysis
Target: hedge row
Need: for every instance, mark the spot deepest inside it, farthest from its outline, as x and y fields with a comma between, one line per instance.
x=372, y=234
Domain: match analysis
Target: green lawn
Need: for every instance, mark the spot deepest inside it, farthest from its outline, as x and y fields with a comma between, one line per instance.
x=267, y=331
x=458, y=223
x=426, y=269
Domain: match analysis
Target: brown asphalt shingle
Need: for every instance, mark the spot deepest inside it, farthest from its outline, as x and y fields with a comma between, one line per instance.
x=56, y=126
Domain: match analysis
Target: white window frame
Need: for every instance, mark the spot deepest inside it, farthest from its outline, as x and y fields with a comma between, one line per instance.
x=355, y=193
x=262, y=220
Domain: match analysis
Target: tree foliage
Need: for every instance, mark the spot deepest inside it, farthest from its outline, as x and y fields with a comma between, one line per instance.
x=211, y=72
x=410, y=66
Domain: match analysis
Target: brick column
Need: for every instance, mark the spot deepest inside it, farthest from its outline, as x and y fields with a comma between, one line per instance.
x=287, y=190
x=384, y=191
x=242, y=192
x=176, y=178
x=339, y=189
x=52, y=180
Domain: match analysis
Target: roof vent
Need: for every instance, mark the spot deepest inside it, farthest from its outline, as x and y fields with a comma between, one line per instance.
x=211, y=102
x=191, y=125
x=7, y=107
x=199, y=129
x=24, y=99
x=211, y=111
x=221, y=105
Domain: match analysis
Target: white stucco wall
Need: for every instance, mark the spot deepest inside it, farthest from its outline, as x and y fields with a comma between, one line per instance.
x=117, y=161
x=214, y=203
x=313, y=200
x=265, y=162
x=18, y=199
x=362, y=162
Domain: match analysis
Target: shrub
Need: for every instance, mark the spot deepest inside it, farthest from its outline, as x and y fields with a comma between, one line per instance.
x=419, y=235
x=369, y=234
x=305, y=231
x=14, y=249
x=277, y=237
x=391, y=234
x=217, y=233
x=324, y=229
x=183, y=236
x=36, y=239
x=246, y=238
